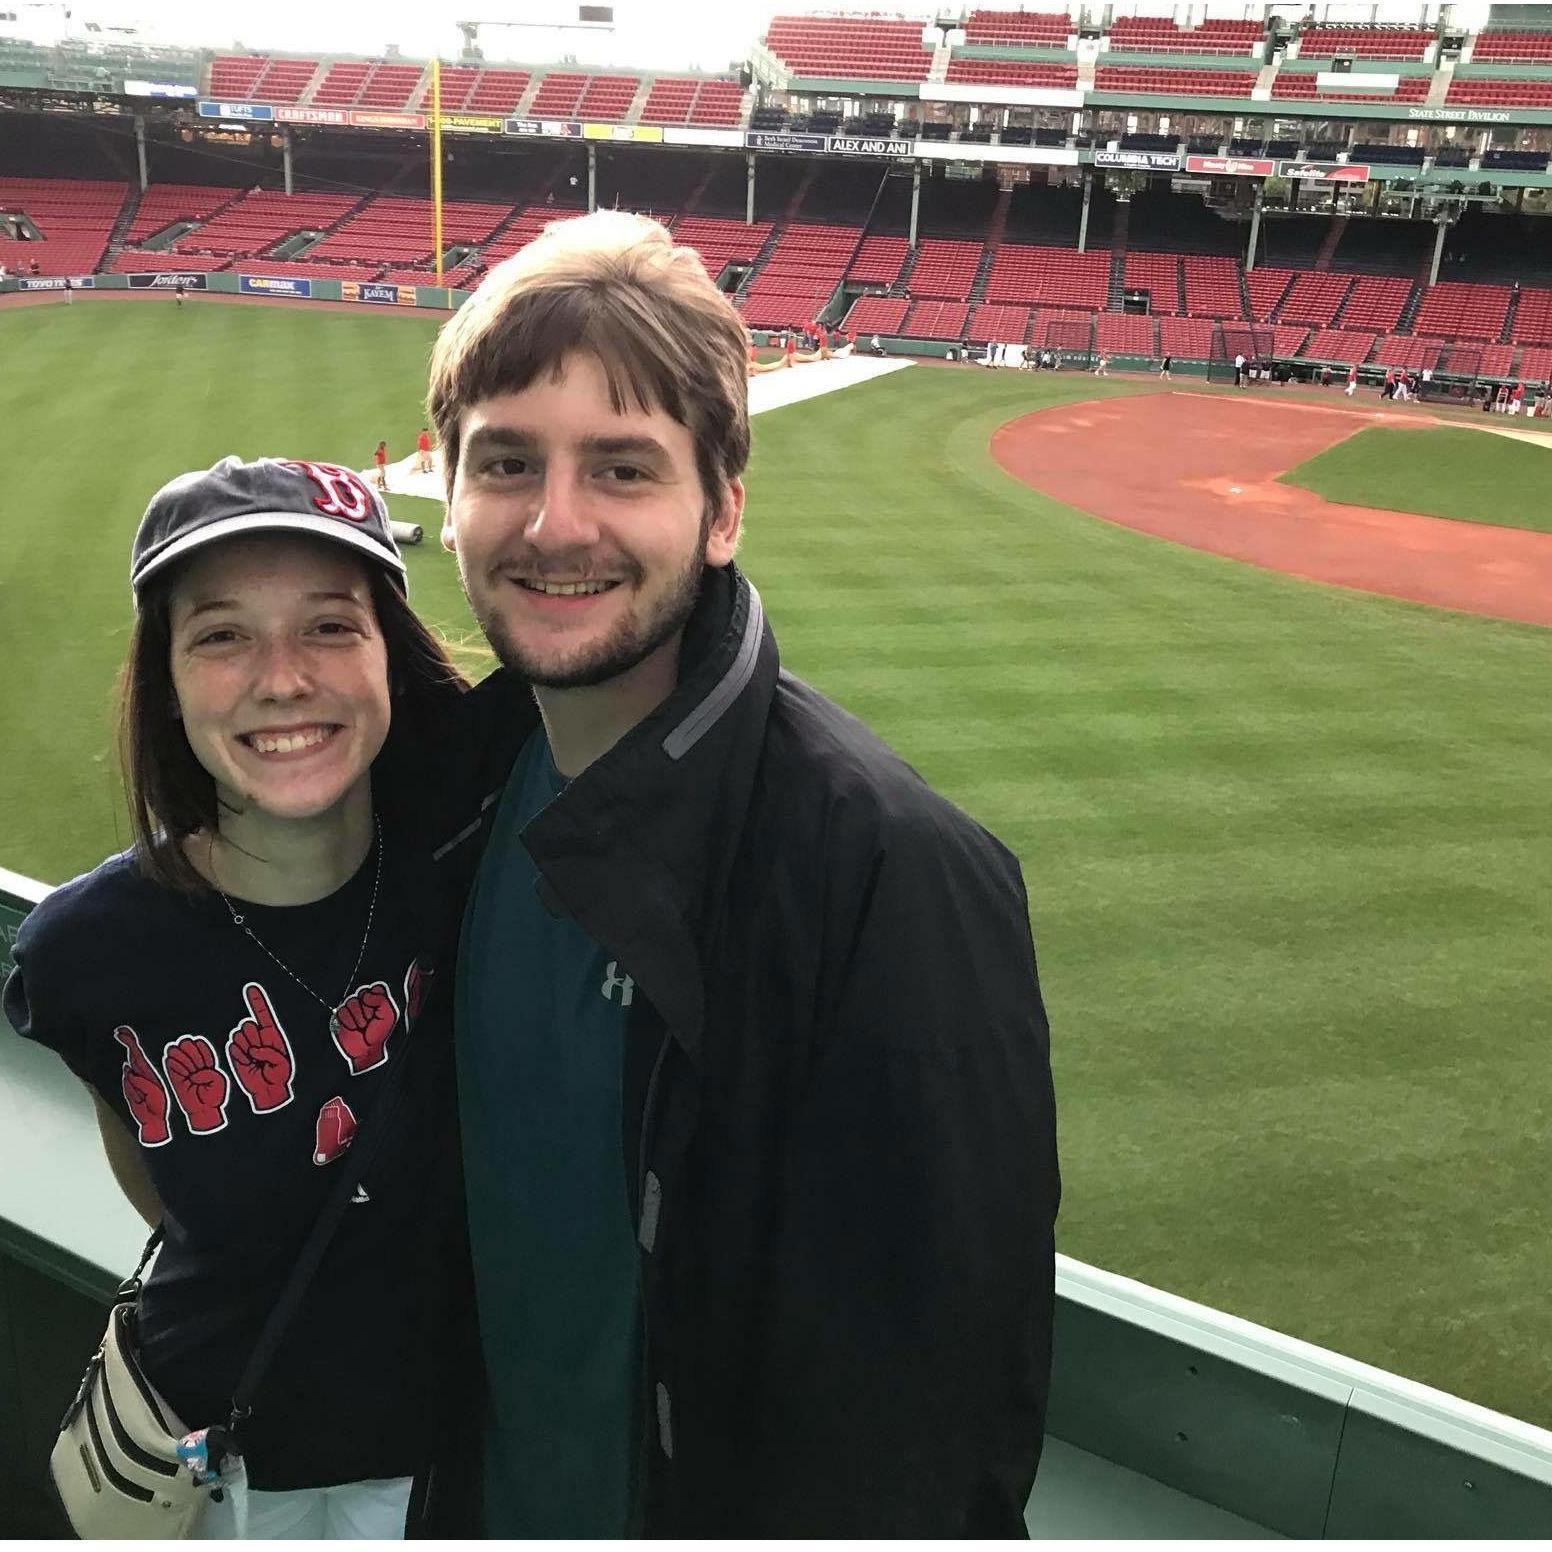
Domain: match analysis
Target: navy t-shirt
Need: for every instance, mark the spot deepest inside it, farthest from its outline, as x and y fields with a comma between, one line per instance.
x=540, y=1038
x=244, y=1105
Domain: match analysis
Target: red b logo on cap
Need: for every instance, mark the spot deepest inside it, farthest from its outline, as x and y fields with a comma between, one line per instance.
x=345, y=493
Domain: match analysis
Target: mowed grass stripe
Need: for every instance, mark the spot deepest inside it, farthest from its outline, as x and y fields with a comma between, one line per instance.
x=1288, y=863
x=1286, y=846
x=1472, y=476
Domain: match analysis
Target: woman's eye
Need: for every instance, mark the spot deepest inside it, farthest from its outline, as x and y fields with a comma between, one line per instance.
x=215, y=638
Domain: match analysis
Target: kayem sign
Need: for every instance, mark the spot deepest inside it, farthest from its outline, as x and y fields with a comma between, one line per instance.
x=1325, y=172
x=1232, y=166
x=377, y=291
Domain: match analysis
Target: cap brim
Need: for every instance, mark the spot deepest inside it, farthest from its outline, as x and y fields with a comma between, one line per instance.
x=268, y=522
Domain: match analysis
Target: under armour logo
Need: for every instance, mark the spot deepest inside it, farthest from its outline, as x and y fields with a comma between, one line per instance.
x=359, y=1195
x=624, y=982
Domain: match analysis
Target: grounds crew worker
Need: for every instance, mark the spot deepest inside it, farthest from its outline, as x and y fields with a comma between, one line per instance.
x=757, y=1122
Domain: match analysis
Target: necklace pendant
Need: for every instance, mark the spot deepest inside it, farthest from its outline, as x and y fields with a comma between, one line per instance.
x=334, y=1025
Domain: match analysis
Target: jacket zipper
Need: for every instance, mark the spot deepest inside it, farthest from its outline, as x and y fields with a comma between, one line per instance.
x=645, y=1395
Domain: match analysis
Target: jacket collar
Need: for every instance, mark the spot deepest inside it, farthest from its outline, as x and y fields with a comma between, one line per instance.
x=639, y=847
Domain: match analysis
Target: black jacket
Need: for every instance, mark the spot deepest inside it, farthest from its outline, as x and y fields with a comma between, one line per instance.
x=838, y=1117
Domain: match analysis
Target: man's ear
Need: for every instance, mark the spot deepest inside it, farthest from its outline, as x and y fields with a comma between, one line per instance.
x=727, y=526
x=449, y=533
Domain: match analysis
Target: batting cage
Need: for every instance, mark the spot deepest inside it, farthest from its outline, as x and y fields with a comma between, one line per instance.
x=1254, y=341
x=1458, y=376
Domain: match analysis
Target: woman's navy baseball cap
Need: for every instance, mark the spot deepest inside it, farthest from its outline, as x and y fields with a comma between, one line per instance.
x=269, y=495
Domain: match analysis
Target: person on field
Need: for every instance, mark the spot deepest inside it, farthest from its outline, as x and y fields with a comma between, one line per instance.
x=177, y=294
x=1164, y=367
x=1352, y=381
x=240, y=990
x=1239, y=370
x=380, y=461
x=423, y=452
x=757, y=1121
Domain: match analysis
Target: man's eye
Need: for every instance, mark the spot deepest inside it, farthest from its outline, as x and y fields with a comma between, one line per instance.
x=625, y=473
x=507, y=468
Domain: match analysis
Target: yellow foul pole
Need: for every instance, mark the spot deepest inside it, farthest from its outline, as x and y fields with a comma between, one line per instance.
x=436, y=164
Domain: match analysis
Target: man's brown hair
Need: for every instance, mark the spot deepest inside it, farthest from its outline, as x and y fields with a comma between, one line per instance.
x=615, y=286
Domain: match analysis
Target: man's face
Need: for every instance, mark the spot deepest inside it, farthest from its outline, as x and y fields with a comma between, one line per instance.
x=581, y=534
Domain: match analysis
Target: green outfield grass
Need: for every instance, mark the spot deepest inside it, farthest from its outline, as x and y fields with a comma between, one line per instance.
x=1287, y=847
x=1441, y=471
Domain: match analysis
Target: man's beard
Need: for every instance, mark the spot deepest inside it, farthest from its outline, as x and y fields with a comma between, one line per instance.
x=627, y=645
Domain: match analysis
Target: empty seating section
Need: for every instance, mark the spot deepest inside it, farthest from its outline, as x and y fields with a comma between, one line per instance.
x=1402, y=43
x=1014, y=72
x=134, y=261
x=74, y=215
x=233, y=76
x=721, y=241
x=1126, y=334
x=164, y=203
x=393, y=229
x=878, y=261
x=1338, y=345
x=457, y=82
x=1190, y=338
x=261, y=218
x=284, y=80
x=878, y=314
x=945, y=267
x=1061, y=329
x=935, y=320
x=1302, y=84
x=1509, y=45
x=1536, y=365
x=497, y=91
x=527, y=225
x=801, y=274
x=1288, y=339
x=1500, y=93
x=1376, y=302
x=1157, y=81
x=992, y=321
x=1159, y=35
x=1403, y=350
x=865, y=48
x=607, y=98
x=1022, y=273
x=1457, y=309
x=718, y=103
x=1158, y=274
x=342, y=83
x=1212, y=287
x=1533, y=320
x=1267, y=288
x=1026, y=29
x=1480, y=360
x=301, y=269
x=390, y=86
x=689, y=100
x=559, y=93
x=1315, y=297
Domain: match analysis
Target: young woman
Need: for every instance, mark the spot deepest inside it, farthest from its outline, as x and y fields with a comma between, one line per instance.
x=237, y=988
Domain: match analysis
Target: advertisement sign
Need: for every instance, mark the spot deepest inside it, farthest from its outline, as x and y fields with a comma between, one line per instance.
x=1147, y=161
x=377, y=291
x=867, y=145
x=471, y=124
x=169, y=280
x=652, y=133
x=312, y=115
x=1325, y=172
x=767, y=140
x=273, y=285
x=376, y=118
x=55, y=282
x=1232, y=166
x=237, y=110
x=158, y=89
x=557, y=129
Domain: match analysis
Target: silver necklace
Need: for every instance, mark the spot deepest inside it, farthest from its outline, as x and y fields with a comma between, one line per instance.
x=331, y=1008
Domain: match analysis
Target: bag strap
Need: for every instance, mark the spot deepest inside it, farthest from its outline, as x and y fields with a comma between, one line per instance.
x=364, y=1147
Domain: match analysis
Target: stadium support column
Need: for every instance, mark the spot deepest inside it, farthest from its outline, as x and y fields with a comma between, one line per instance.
x=915, y=200
x=140, y=151
x=1255, y=229
x=285, y=154
x=1438, y=254
x=749, y=190
x=592, y=177
x=1083, y=223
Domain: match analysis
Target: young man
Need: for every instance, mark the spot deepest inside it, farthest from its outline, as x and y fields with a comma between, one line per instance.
x=757, y=1123
x=1352, y=381
x=423, y=452
x=380, y=461
x=177, y=293
x=1239, y=370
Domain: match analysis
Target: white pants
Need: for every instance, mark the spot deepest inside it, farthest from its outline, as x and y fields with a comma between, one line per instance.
x=1352, y=388
x=353, y=1511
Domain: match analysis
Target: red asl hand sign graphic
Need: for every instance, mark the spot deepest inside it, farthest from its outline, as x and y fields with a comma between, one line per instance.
x=334, y=1132
x=260, y=1055
x=362, y=1025
x=197, y=1082
x=143, y=1091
